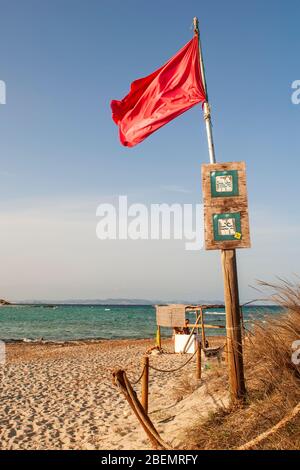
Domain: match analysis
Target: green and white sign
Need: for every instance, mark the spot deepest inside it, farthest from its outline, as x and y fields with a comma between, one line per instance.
x=226, y=220
x=224, y=183
x=227, y=226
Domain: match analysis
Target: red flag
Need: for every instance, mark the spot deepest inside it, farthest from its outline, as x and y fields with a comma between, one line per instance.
x=155, y=100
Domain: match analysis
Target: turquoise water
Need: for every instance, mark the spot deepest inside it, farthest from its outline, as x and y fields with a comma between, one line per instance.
x=74, y=322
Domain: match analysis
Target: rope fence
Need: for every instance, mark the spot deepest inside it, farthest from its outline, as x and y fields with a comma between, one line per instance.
x=167, y=371
x=140, y=377
x=140, y=406
x=122, y=382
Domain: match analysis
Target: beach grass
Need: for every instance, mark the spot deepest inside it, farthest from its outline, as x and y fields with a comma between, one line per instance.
x=273, y=384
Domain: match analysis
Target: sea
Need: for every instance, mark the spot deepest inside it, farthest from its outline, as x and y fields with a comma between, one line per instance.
x=90, y=322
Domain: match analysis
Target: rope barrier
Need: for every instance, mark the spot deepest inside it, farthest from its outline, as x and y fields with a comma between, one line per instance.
x=124, y=385
x=140, y=410
x=122, y=382
x=137, y=381
x=265, y=435
x=173, y=370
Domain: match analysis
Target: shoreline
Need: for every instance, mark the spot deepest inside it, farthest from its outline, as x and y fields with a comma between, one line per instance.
x=87, y=341
x=72, y=341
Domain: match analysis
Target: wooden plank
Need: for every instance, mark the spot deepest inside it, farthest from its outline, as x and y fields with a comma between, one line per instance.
x=235, y=207
x=170, y=316
x=189, y=308
x=214, y=326
x=202, y=330
x=198, y=361
x=207, y=326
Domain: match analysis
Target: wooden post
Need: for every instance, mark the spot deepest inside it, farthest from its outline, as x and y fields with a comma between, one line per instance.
x=233, y=326
x=233, y=320
x=242, y=324
x=145, y=383
x=158, y=337
x=202, y=330
x=198, y=361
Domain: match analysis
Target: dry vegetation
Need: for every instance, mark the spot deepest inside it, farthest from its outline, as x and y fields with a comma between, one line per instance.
x=183, y=388
x=273, y=385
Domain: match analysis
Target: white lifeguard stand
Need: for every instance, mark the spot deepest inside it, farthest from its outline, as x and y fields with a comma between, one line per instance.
x=174, y=315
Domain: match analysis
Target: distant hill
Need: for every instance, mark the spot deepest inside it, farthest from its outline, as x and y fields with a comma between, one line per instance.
x=4, y=302
x=118, y=301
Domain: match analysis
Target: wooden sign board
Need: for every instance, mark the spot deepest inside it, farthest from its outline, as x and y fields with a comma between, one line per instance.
x=226, y=220
x=170, y=315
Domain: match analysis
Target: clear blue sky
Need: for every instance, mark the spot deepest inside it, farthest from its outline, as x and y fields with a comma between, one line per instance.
x=63, y=61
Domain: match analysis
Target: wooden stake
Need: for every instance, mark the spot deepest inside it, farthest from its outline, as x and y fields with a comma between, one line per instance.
x=198, y=361
x=233, y=326
x=158, y=337
x=145, y=383
x=203, y=330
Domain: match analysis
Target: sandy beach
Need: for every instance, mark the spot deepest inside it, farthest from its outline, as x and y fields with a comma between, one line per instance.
x=61, y=396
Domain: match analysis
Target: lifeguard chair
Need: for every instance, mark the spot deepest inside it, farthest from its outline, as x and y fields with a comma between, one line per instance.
x=174, y=316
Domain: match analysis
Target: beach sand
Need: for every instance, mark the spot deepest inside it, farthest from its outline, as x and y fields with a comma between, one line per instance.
x=61, y=396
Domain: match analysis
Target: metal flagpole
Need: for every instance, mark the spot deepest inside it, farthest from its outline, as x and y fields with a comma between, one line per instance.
x=206, y=108
x=228, y=258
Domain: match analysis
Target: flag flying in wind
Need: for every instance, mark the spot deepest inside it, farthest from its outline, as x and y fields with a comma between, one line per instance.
x=155, y=100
